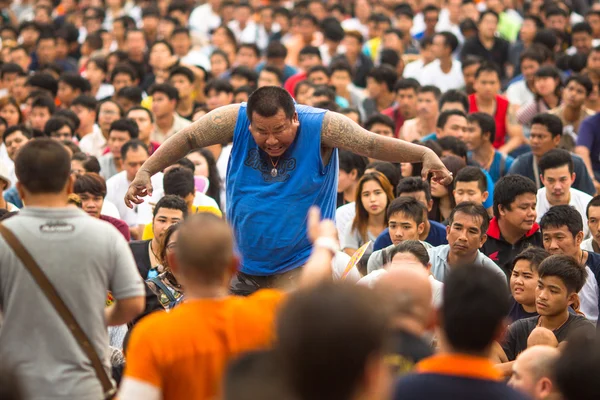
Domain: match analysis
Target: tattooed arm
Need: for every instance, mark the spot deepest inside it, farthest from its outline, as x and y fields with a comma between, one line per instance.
x=215, y=127
x=341, y=132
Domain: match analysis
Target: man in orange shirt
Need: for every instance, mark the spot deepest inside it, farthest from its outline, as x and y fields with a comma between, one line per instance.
x=183, y=354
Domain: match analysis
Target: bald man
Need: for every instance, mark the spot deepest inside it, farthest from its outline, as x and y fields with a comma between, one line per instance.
x=408, y=292
x=533, y=372
x=542, y=337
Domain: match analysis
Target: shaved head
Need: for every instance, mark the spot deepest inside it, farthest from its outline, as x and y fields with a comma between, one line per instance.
x=533, y=371
x=542, y=336
x=204, y=248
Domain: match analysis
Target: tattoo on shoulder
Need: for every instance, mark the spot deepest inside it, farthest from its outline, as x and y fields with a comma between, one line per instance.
x=340, y=131
x=215, y=127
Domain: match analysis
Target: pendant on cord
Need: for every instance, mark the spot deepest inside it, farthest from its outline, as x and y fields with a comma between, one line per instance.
x=274, y=172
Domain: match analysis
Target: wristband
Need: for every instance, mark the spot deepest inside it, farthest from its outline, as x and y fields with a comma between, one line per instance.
x=328, y=244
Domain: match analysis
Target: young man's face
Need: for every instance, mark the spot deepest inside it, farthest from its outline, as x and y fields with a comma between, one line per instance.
x=455, y=126
x=46, y=51
x=14, y=142
x=528, y=30
x=144, y=123
x=183, y=85
x=427, y=105
x=521, y=214
x=22, y=58
x=558, y=183
x=116, y=140
x=407, y=102
x=267, y=78
x=558, y=22
x=162, y=105
x=86, y=117
x=439, y=46
x=91, y=204
x=594, y=223
x=529, y=68
x=593, y=62
x=351, y=45
x=488, y=26
x=318, y=78
x=133, y=161
x=473, y=137
x=487, y=84
x=392, y=41
x=541, y=140
x=64, y=133
x=246, y=57
x=346, y=179
x=582, y=41
x=241, y=97
x=469, y=191
x=216, y=99
x=559, y=240
x=382, y=129
x=121, y=81
x=552, y=296
x=469, y=77
x=404, y=227
x=66, y=94
x=165, y=217
x=38, y=117
x=464, y=235
x=574, y=95
x=237, y=81
x=523, y=282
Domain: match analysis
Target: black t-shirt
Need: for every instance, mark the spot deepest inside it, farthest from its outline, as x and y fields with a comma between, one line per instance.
x=498, y=54
x=519, y=331
x=517, y=312
x=408, y=351
x=189, y=117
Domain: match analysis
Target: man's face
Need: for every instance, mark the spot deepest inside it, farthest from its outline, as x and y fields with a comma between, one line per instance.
x=94, y=74
x=107, y=114
x=521, y=214
x=541, y=140
x=165, y=217
x=86, y=117
x=64, y=133
x=318, y=78
x=237, y=81
x=469, y=77
x=455, y=126
x=469, y=191
x=181, y=44
x=274, y=134
x=464, y=235
x=523, y=281
x=421, y=197
x=22, y=58
x=142, y=119
x=524, y=379
x=14, y=142
x=404, y=23
x=134, y=159
x=183, y=85
x=136, y=43
x=218, y=99
x=427, y=105
x=594, y=21
x=91, y=204
x=582, y=41
x=473, y=137
x=488, y=26
x=528, y=30
x=38, y=117
x=557, y=22
x=431, y=20
x=559, y=240
x=46, y=51
x=574, y=95
x=439, y=46
x=404, y=227
x=558, y=183
x=116, y=140
x=66, y=94
x=594, y=223
x=162, y=105
x=552, y=296
x=246, y=57
x=29, y=36
x=121, y=81
x=392, y=41
x=351, y=45
x=593, y=62
x=487, y=85
x=382, y=129
x=407, y=102
x=306, y=29
x=267, y=78
x=307, y=61
x=529, y=68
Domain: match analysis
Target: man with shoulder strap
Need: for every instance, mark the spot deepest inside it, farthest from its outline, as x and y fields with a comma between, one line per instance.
x=56, y=266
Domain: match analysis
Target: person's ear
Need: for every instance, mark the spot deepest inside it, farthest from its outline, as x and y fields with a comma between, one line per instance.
x=543, y=388
x=21, y=191
x=573, y=177
x=438, y=132
x=447, y=231
x=483, y=240
x=542, y=179
x=578, y=239
x=421, y=228
x=501, y=210
x=295, y=120
x=556, y=140
x=353, y=174
x=70, y=184
x=429, y=205
x=485, y=196
x=572, y=298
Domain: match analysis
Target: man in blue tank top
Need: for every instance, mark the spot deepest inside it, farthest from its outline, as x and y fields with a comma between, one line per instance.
x=283, y=161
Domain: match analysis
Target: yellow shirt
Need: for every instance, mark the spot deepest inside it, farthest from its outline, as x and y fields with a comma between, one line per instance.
x=149, y=234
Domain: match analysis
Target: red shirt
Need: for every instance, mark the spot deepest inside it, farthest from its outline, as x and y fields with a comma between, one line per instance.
x=290, y=84
x=120, y=225
x=500, y=117
x=395, y=114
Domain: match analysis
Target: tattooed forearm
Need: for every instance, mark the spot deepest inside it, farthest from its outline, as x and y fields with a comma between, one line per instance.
x=215, y=127
x=340, y=131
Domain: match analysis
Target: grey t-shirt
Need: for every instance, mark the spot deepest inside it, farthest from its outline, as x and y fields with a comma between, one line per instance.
x=107, y=166
x=83, y=257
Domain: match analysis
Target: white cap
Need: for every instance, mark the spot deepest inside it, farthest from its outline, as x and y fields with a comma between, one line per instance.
x=4, y=174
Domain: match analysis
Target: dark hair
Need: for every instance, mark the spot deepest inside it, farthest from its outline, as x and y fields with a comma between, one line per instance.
x=181, y=70
x=218, y=85
x=214, y=179
x=413, y=247
x=563, y=215
x=54, y=124
x=43, y=166
x=487, y=67
x=389, y=57
x=575, y=371
x=349, y=161
x=179, y=181
x=550, y=121
x=186, y=163
x=332, y=29
x=380, y=119
x=437, y=93
x=125, y=125
x=488, y=12
x=534, y=255
x=313, y=319
x=131, y=93
x=473, y=210
x=251, y=46
x=323, y=90
x=44, y=102
x=276, y=49
x=10, y=68
x=566, y=269
x=274, y=70
x=445, y=116
x=555, y=158
x=412, y=185
x=243, y=89
x=407, y=206
x=450, y=40
x=172, y=202
x=268, y=100
x=136, y=108
x=75, y=81
x=472, y=174
x=85, y=101
x=90, y=183
x=384, y=74
x=595, y=202
x=361, y=220
x=583, y=81
x=486, y=123
x=17, y=128
x=454, y=145
x=508, y=188
x=408, y=83
x=89, y=163
x=70, y=116
x=123, y=68
x=546, y=38
x=471, y=60
x=133, y=145
x=455, y=96
x=532, y=53
x=389, y=170
x=245, y=72
x=166, y=89
x=470, y=326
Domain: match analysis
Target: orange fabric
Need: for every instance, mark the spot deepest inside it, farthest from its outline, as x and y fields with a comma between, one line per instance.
x=460, y=365
x=184, y=352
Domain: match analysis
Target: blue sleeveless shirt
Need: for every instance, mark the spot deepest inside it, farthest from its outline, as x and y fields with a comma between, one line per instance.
x=269, y=214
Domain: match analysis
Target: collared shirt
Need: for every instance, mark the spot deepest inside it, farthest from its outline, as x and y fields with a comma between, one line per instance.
x=440, y=268
x=178, y=124
x=578, y=200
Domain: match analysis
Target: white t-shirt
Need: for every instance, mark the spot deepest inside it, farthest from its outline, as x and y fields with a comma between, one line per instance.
x=413, y=69
x=587, y=245
x=579, y=200
x=432, y=74
x=518, y=93
x=110, y=210
x=117, y=188
x=588, y=295
x=93, y=143
x=344, y=216
x=338, y=266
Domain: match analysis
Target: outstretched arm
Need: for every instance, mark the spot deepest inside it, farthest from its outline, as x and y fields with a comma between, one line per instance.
x=341, y=132
x=215, y=127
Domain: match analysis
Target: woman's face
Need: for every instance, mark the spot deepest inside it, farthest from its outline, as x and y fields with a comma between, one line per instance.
x=406, y=169
x=220, y=38
x=10, y=113
x=545, y=85
x=373, y=198
x=77, y=167
x=218, y=64
x=437, y=190
x=200, y=163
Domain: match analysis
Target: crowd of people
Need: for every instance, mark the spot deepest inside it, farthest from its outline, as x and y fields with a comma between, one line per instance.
x=341, y=199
